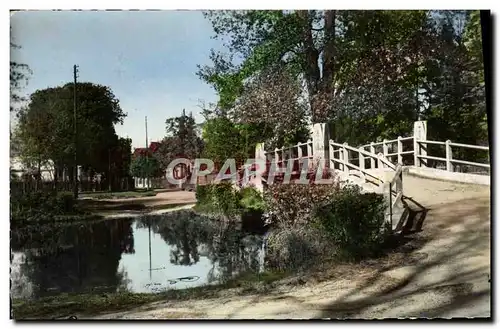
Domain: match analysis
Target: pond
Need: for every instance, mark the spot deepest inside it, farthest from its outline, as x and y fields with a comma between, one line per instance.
x=149, y=254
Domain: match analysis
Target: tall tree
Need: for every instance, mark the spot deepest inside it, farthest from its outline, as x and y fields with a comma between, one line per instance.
x=369, y=73
x=46, y=126
x=323, y=48
x=181, y=139
x=19, y=74
x=145, y=166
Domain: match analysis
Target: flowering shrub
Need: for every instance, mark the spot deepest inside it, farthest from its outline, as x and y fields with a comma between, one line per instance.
x=294, y=203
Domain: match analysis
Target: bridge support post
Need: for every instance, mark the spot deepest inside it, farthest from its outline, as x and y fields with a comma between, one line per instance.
x=400, y=150
x=321, y=137
x=420, y=149
x=385, y=149
x=449, y=156
x=260, y=158
x=372, y=160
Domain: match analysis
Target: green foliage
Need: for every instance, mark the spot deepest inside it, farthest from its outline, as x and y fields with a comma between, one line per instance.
x=144, y=166
x=297, y=247
x=19, y=74
x=380, y=70
x=46, y=126
x=293, y=204
x=42, y=206
x=354, y=221
x=251, y=199
x=223, y=198
x=225, y=140
x=203, y=195
x=182, y=140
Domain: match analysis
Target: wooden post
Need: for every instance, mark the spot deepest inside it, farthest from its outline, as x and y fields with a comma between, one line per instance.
x=420, y=149
x=379, y=160
x=372, y=160
x=309, y=153
x=276, y=158
x=400, y=150
x=385, y=147
x=361, y=159
x=449, y=156
x=331, y=156
x=346, y=157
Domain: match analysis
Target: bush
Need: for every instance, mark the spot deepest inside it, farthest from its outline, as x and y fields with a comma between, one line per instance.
x=354, y=221
x=251, y=199
x=64, y=203
x=292, y=248
x=294, y=203
x=203, y=194
x=221, y=198
x=35, y=206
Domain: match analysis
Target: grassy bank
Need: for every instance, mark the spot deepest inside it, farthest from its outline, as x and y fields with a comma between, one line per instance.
x=65, y=305
x=119, y=195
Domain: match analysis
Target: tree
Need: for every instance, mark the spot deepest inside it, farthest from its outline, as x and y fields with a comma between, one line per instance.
x=322, y=48
x=370, y=74
x=223, y=140
x=181, y=140
x=46, y=126
x=272, y=103
x=19, y=74
x=145, y=166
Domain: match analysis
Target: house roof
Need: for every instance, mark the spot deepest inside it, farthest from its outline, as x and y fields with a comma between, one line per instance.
x=153, y=147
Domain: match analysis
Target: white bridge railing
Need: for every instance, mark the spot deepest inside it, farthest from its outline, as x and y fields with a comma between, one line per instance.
x=294, y=153
x=393, y=150
x=347, y=166
x=379, y=164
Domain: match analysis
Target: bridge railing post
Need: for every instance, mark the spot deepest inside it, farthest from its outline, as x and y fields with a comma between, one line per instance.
x=449, y=156
x=361, y=159
x=420, y=149
x=299, y=155
x=385, y=149
x=372, y=160
x=331, y=156
x=379, y=160
x=309, y=153
x=400, y=150
x=345, y=158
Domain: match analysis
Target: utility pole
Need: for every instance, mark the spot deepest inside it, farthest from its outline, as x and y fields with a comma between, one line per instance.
x=147, y=149
x=75, y=182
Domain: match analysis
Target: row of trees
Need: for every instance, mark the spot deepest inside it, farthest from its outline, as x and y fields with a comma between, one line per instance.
x=369, y=74
x=45, y=132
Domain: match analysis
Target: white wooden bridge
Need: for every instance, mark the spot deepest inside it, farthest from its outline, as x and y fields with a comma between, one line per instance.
x=395, y=168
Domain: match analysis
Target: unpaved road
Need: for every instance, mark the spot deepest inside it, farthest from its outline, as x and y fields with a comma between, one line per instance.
x=449, y=277
x=161, y=198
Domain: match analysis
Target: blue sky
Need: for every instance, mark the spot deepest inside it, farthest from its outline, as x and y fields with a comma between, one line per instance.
x=148, y=58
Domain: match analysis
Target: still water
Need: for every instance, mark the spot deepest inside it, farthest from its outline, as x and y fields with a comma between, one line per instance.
x=176, y=250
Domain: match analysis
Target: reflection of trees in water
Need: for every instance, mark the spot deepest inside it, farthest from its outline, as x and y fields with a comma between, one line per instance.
x=181, y=230
x=230, y=250
x=74, y=258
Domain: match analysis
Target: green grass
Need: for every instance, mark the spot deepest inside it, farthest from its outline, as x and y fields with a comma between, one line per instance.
x=119, y=195
x=65, y=305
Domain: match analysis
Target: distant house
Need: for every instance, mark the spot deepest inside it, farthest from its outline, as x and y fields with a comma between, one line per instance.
x=178, y=172
x=141, y=182
x=18, y=168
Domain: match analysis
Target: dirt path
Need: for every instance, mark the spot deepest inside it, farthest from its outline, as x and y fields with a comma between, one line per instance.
x=448, y=275
x=161, y=198
x=162, y=202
